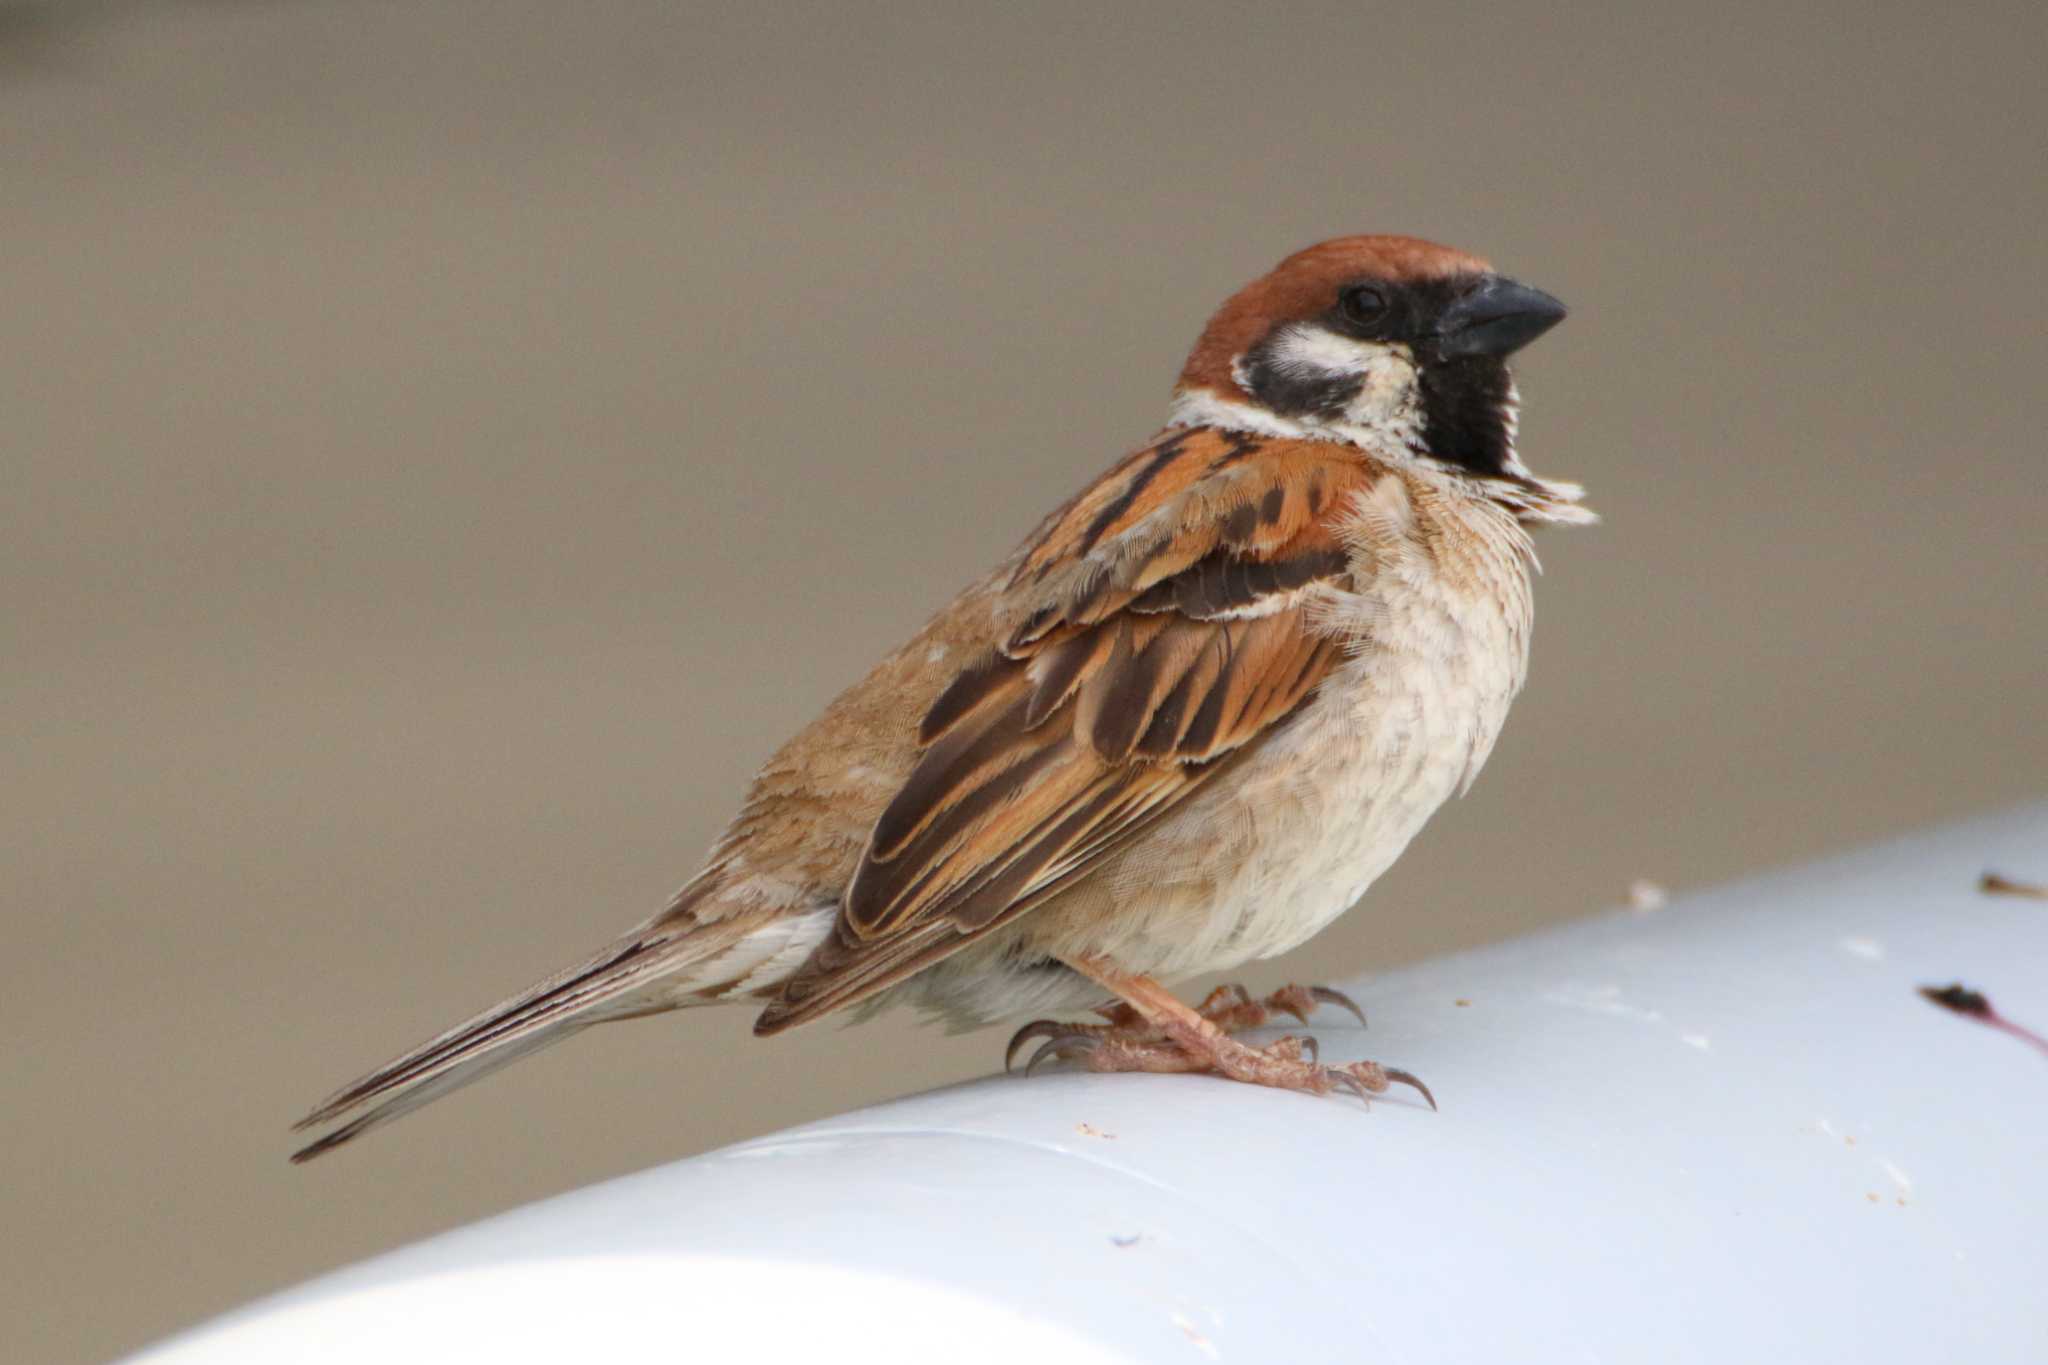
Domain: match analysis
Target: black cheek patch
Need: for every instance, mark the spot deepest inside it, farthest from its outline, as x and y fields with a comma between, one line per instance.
x=1292, y=392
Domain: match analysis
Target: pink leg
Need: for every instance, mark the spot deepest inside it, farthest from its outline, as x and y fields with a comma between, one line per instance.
x=1178, y=1038
x=1230, y=1008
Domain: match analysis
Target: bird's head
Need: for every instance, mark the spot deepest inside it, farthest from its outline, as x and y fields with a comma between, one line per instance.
x=1394, y=344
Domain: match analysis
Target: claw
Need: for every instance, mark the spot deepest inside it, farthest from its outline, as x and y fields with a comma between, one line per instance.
x=1337, y=1076
x=1408, y=1078
x=1223, y=1000
x=1299, y=1016
x=1063, y=1050
x=1037, y=1028
x=1311, y=1046
x=1325, y=996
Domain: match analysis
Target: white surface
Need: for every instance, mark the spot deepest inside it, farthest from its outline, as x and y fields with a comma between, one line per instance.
x=1728, y=1129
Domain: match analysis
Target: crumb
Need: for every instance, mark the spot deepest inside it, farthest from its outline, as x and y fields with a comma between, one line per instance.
x=1991, y=884
x=1462, y=1004
x=1195, y=1338
x=1645, y=895
x=1090, y=1130
x=1849, y=1138
x=1872, y=1197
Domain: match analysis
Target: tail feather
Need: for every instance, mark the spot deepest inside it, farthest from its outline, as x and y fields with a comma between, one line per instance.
x=602, y=987
x=545, y=1003
x=424, y=1092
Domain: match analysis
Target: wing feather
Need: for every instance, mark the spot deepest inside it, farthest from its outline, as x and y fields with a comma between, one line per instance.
x=1162, y=623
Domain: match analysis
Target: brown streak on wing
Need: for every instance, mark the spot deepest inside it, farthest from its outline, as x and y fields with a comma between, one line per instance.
x=1162, y=628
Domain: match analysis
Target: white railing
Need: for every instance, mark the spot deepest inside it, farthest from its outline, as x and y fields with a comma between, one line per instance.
x=1727, y=1130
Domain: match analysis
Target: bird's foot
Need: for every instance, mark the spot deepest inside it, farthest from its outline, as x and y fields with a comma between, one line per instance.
x=1289, y=1064
x=1152, y=1031
x=1231, y=1009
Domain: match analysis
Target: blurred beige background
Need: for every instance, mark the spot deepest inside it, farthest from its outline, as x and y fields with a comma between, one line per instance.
x=447, y=446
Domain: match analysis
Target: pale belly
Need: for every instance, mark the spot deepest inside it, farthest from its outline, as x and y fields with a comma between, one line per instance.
x=1259, y=863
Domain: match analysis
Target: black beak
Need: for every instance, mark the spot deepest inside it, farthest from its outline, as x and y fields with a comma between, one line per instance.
x=1498, y=318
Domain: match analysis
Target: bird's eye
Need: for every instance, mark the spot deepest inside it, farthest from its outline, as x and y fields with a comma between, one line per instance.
x=1362, y=304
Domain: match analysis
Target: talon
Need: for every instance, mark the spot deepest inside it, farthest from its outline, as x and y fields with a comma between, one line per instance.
x=1061, y=1049
x=1037, y=1028
x=1325, y=996
x=1408, y=1078
x=1312, y=1047
x=1338, y=1076
x=1223, y=1002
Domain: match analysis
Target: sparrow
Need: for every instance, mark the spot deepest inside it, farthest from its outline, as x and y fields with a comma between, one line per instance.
x=1181, y=728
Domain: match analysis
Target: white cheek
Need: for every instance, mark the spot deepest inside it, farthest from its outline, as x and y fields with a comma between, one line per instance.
x=1306, y=350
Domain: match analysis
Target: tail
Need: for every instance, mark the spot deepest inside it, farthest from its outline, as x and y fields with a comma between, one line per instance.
x=611, y=985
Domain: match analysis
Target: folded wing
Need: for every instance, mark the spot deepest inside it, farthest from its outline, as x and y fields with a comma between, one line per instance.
x=1154, y=629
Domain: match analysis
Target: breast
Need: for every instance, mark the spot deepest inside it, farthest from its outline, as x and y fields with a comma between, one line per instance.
x=1439, y=619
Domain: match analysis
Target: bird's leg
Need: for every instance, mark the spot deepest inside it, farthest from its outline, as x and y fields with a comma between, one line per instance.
x=1230, y=1008
x=1181, y=1038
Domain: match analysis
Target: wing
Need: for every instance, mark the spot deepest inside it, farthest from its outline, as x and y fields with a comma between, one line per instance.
x=1153, y=629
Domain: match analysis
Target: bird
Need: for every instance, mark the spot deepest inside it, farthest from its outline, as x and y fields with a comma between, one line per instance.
x=1182, y=727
